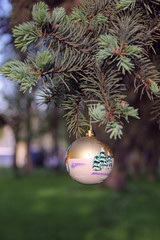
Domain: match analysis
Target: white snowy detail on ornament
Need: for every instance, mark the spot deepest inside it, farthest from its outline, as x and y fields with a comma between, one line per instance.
x=102, y=161
x=88, y=161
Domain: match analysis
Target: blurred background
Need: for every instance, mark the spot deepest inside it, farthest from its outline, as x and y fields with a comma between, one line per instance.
x=38, y=200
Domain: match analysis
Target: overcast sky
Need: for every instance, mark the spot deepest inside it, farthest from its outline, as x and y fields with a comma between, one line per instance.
x=6, y=52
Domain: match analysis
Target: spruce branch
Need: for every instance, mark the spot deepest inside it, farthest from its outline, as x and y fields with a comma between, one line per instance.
x=59, y=15
x=146, y=76
x=124, y=110
x=43, y=61
x=53, y=92
x=133, y=51
x=93, y=8
x=40, y=14
x=77, y=16
x=125, y=4
x=148, y=5
x=97, y=15
x=97, y=112
x=115, y=129
x=25, y=34
x=125, y=64
x=108, y=41
x=123, y=55
x=100, y=18
x=108, y=91
x=76, y=122
x=155, y=89
x=20, y=72
x=129, y=29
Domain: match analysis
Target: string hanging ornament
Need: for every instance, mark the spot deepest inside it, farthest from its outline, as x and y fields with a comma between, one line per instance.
x=88, y=160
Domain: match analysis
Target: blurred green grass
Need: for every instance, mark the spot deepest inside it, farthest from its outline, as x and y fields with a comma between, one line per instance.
x=47, y=206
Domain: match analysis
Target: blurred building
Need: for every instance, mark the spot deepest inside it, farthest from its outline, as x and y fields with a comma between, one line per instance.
x=7, y=146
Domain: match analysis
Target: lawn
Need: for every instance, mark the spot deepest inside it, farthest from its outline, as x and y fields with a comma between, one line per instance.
x=50, y=206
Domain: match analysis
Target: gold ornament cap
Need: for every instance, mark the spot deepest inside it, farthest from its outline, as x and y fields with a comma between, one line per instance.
x=90, y=133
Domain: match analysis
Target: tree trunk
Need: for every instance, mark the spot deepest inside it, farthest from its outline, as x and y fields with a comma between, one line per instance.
x=29, y=165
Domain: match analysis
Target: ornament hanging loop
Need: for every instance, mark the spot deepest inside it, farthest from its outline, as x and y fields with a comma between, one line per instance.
x=90, y=132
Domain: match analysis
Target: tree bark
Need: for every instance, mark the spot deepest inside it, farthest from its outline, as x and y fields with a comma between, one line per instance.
x=29, y=165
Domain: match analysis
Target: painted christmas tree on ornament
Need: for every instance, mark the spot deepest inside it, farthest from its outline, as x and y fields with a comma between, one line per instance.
x=102, y=161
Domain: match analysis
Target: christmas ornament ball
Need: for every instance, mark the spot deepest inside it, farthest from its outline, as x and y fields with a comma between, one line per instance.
x=88, y=161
